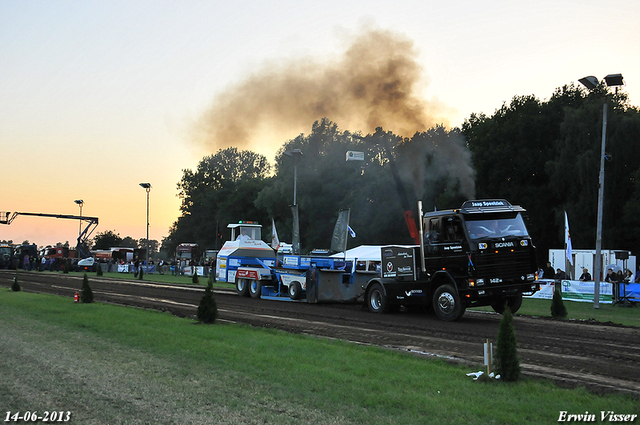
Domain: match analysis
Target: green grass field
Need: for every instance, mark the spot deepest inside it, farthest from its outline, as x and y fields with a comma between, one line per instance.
x=117, y=365
x=628, y=316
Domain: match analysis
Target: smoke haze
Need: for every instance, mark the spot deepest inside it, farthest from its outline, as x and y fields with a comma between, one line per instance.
x=435, y=157
x=374, y=83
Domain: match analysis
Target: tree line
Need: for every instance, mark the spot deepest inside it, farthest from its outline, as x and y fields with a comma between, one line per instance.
x=109, y=239
x=543, y=155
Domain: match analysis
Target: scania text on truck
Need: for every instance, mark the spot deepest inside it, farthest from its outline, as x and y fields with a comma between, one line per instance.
x=478, y=255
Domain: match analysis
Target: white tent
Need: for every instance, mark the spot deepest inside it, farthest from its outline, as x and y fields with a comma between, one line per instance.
x=362, y=253
x=365, y=252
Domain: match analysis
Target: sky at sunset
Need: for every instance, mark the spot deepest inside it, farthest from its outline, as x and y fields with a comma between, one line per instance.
x=97, y=97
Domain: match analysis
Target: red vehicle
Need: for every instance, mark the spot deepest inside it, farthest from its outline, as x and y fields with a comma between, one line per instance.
x=187, y=252
x=58, y=252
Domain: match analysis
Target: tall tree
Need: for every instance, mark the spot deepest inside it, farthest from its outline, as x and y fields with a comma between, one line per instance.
x=574, y=171
x=545, y=156
x=153, y=245
x=221, y=190
x=376, y=194
x=128, y=241
x=106, y=240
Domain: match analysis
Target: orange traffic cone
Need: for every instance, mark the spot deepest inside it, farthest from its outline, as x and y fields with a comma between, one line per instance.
x=76, y=297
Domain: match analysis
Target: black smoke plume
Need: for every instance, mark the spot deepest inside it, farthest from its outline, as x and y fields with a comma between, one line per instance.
x=374, y=83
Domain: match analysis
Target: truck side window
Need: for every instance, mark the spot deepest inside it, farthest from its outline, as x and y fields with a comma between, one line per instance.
x=453, y=230
x=433, y=235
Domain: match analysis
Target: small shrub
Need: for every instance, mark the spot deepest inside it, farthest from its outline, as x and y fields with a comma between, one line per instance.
x=15, y=286
x=99, y=271
x=558, y=310
x=507, y=361
x=208, y=310
x=86, y=294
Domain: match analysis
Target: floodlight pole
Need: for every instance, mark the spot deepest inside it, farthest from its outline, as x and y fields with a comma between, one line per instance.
x=591, y=83
x=80, y=203
x=598, y=266
x=147, y=187
x=294, y=154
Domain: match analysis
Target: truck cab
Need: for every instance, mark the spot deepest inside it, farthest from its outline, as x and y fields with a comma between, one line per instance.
x=5, y=255
x=478, y=255
x=485, y=249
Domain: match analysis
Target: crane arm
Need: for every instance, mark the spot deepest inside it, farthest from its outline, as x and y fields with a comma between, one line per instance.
x=83, y=237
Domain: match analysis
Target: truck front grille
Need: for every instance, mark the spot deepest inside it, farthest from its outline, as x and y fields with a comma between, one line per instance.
x=505, y=265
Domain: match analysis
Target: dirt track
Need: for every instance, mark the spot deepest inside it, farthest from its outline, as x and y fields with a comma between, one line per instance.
x=601, y=357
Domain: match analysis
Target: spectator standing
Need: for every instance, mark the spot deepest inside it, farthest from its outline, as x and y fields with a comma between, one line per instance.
x=136, y=264
x=549, y=273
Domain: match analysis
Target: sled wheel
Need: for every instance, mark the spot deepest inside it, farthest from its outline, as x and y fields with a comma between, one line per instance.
x=255, y=288
x=295, y=290
x=242, y=287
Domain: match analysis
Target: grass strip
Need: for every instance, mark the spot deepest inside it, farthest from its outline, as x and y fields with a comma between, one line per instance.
x=110, y=364
x=607, y=313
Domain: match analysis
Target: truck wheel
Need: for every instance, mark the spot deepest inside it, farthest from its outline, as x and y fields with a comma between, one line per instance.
x=255, y=288
x=514, y=304
x=377, y=300
x=295, y=290
x=447, y=304
x=242, y=287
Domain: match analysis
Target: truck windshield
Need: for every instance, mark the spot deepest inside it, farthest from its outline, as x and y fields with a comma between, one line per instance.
x=496, y=227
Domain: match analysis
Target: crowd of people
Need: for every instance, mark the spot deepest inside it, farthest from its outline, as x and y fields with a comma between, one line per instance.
x=176, y=267
x=612, y=276
x=619, y=277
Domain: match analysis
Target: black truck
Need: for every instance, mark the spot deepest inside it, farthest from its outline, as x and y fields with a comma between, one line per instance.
x=478, y=255
x=6, y=251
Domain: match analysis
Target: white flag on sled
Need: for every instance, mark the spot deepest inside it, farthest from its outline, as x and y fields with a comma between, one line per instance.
x=567, y=238
x=275, y=242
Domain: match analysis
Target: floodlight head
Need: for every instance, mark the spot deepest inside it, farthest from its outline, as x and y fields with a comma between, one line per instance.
x=146, y=185
x=79, y=201
x=613, y=80
x=293, y=152
x=589, y=82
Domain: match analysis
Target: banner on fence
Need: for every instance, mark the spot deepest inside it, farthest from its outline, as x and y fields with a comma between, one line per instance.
x=575, y=290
